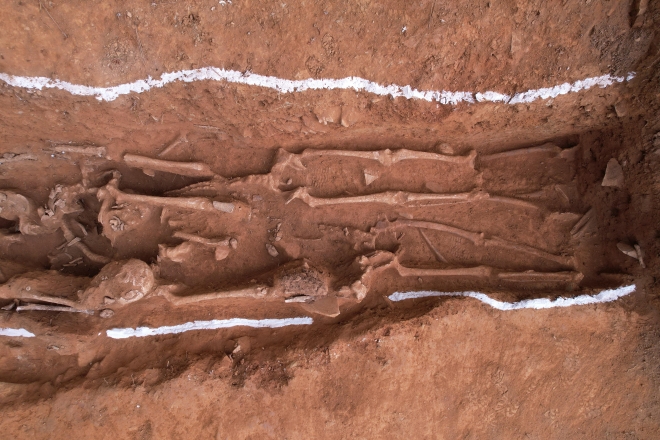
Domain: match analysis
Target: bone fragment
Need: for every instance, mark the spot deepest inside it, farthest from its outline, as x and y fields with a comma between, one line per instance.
x=473, y=272
x=182, y=138
x=545, y=148
x=613, y=174
x=190, y=169
x=436, y=252
x=272, y=250
x=74, y=149
x=45, y=308
x=582, y=222
x=388, y=157
x=543, y=277
x=82, y=247
x=299, y=299
x=224, y=207
x=13, y=157
x=634, y=252
x=258, y=292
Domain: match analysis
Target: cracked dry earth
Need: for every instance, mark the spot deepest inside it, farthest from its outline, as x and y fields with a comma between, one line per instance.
x=221, y=257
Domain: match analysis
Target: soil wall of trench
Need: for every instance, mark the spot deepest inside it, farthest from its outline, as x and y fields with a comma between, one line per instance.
x=169, y=164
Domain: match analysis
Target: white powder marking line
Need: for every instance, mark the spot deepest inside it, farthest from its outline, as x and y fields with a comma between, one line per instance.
x=140, y=332
x=290, y=86
x=539, y=303
x=16, y=332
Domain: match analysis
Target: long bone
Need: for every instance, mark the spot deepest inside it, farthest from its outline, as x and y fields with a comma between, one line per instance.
x=192, y=203
x=13, y=157
x=257, y=292
x=190, y=169
x=46, y=308
x=75, y=149
x=483, y=272
x=479, y=239
x=395, y=198
x=545, y=148
x=389, y=157
x=541, y=277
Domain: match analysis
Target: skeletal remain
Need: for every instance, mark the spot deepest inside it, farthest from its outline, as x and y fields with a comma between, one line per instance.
x=579, y=226
x=190, y=169
x=545, y=277
x=272, y=250
x=221, y=245
x=613, y=174
x=111, y=192
x=75, y=149
x=257, y=292
x=388, y=157
x=395, y=198
x=13, y=157
x=72, y=240
x=545, y=148
x=17, y=207
x=181, y=139
x=46, y=308
x=436, y=253
x=479, y=239
x=634, y=252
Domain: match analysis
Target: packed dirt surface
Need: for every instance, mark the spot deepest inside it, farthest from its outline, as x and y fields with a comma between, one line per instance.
x=221, y=256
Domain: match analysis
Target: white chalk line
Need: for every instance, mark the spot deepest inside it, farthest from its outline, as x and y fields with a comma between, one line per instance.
x=16, y=332
x=140, y=332
x=538, y=303
x=290, y=86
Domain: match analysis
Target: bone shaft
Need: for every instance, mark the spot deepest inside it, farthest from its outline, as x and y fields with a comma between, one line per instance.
x=540, y=276
x=88, y=151
x=583, y=221
x=547, y=148
x=191, y=169
x=201, y=240
x=401, y=155
x=192, y=299
x=50, y=299
x=471, y=236
x=39, y=307
x=196, y=203
x=478, y=272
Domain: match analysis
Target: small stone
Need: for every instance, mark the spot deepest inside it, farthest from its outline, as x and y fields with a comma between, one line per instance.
x=613, y=174
x=224, y=207
x=370, y=176
x=233, y=243
x=106, y=313
x=272, y=250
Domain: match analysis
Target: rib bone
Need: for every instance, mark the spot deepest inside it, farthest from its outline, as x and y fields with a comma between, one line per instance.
x=191, y=169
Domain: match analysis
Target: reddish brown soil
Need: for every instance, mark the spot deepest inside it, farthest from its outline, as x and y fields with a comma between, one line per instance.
x=433, y=368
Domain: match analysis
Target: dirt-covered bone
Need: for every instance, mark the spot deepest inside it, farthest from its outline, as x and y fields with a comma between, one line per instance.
x=402, y=198
x=190, y=169
x=388, y=157
x=18, y=208
x=479, y=239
